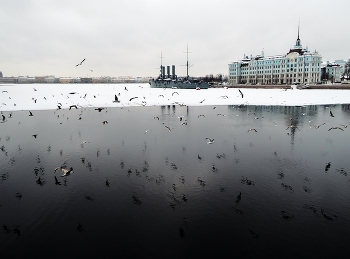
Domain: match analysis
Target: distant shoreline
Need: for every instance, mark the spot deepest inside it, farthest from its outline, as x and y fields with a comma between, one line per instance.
x=320, y=86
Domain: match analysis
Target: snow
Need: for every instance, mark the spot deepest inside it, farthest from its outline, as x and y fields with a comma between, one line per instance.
x=17, y=97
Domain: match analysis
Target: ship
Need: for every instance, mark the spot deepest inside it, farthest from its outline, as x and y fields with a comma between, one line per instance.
x=173, y=81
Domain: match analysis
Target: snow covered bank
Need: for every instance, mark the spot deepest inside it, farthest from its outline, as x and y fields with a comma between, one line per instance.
x=50, y=96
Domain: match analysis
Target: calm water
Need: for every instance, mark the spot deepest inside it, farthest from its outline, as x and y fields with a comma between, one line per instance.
x=281, y=191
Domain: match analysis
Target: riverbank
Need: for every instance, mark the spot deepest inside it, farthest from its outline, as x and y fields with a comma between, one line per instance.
x=316, y=86
x=67, y=96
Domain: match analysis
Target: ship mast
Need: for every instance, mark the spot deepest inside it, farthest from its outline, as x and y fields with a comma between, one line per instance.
x=187, y=65
x=161, y=64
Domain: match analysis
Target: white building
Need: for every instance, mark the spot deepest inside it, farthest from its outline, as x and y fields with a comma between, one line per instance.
x=333, y=71
x=298, y=65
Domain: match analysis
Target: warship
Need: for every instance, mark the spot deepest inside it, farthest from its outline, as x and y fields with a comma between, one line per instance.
x=173, y=81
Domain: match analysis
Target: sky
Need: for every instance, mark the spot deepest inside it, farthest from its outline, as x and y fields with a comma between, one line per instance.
x=128, y=37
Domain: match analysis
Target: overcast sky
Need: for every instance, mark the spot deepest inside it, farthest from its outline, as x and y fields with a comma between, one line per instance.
x=126, y=37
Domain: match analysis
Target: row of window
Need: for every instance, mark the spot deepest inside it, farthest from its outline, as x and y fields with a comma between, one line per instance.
x=275, y=71
x=283, y=61
x=277, y=76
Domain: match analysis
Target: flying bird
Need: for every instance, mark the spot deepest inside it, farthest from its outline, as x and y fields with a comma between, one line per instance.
x=292, y=126
x=317, y=126
x=240, y=92
x=80, y=63
x=116, y=100
x=210, y=141
x=73, y=106
x=64, y=170
x=99, y=109
x=132, y=98
x=335, y=128
x=331, y=113
x=252, y=130
x=30, y=113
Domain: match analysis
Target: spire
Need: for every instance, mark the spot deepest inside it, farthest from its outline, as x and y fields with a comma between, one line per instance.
x=298, y=42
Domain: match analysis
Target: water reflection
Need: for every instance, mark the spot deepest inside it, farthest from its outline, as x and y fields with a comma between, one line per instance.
x=168, y=193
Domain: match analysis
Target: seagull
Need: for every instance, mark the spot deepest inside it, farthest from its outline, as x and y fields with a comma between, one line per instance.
x=67, y=172
x=175, y=93
x=80, y=63
x=168, y=128
x=252, y=130
x=345, y=126
x=73, y=106
x=328, y=166
x=107, y=183
x=331, y=113
x=64, y=170
x=317, y=126
x=132, y=98
x=292, y=126
x=201, y=115
x=210, y=141
x=3, y=117
x=104, y=122
x=35, y=135
x=202, y=101
x=335, y=128
x=116, y=100
x=30, y=113
x=240, y=92
x=99, y=109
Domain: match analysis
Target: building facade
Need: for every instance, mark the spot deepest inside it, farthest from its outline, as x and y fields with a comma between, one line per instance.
x=297, y=66
x=334, y=71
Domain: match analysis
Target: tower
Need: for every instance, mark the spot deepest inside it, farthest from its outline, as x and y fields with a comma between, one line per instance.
x=298, y=42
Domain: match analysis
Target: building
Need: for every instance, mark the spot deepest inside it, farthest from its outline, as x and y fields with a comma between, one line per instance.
x=334, y=71
x=297, y=66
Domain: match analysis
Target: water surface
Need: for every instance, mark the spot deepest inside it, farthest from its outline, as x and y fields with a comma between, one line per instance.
x=281, y=190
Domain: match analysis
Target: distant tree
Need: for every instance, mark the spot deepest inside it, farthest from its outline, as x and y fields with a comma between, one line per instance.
x=219, y=78
x=347, y=70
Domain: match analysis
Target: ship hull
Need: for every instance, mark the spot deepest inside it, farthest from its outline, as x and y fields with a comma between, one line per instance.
x=178, y=84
